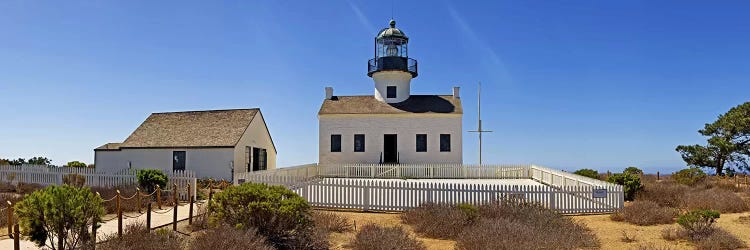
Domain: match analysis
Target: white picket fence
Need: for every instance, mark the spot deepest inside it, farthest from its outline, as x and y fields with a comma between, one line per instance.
x=45, y=175
x=333, y=186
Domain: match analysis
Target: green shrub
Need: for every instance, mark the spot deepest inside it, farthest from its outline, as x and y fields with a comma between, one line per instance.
x=699, y=223
x=62, y=212
x=76, y=164
x=278, y=213
x=689, y=176
x=633, y=170
x=75, y=180
x=149, y=178
x=631, y=182
x=587, y=173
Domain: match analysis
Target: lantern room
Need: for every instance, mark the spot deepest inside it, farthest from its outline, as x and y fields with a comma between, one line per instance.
x=392, y=52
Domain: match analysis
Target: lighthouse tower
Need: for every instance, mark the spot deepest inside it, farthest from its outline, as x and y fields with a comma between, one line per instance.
x=391, y=68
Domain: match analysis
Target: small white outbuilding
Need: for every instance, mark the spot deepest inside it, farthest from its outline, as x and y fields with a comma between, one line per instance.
x=213, y=143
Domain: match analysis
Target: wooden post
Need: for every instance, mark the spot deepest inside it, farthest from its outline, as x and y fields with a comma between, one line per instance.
x=190, y=214
x=657, y=176
x=119, y=215
x=138, y=198
x=10, y=219
x=174, y=198
x=210, y=197
x=148, y=216
x=16, y=238
x=158, y=196
x=93, y=233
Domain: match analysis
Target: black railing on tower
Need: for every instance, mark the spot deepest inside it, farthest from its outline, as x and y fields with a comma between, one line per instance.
x=392, y=63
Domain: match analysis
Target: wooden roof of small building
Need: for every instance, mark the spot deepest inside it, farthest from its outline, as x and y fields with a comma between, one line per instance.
x=415, y=104
x=210, y=128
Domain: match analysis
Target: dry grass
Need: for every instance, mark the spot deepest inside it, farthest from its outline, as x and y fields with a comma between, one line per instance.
x=645, y=213
x=627, y=237
x=438, y=220
x=135, y=236
x=723, y=200
x=666, y=194
x=374, y=237
x=229, y=238
x=331, y=222
x=718, y=239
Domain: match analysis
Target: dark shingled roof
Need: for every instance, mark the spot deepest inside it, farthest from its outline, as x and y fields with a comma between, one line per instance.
x=431, y=104
x=211, y=128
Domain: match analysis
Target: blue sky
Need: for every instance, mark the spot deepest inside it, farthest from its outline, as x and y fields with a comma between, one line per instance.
x=566, y=84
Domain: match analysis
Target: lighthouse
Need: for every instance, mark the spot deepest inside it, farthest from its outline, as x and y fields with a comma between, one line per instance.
x=391, y=68
x=391, y=126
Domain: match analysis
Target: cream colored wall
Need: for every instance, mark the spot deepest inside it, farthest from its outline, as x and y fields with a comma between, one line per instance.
x=375, y=126
x=400, y=79
x=256, y=135
x=206, y=162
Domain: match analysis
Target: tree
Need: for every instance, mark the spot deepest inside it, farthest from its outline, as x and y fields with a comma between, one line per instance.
x=588, y=173
x=59, y=213
x=728, y=143
x=631, y=182
x=39, y=161
x=4, y=162
x=76, y=164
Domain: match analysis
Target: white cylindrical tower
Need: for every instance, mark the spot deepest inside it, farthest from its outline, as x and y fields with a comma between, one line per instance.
x=392, y=69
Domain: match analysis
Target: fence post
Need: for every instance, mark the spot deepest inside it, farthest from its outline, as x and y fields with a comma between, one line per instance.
x=148, y=216
x=10, y=219
x=138, y=200
x=190, y=214
x=16, y=237
x=93, y=233
x=158, y=196
x=174, y=198
x=119, y=215
x=657, y=176
x=210, y=196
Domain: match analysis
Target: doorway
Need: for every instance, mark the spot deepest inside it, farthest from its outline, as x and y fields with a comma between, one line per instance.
x=178, y=160
x=390, y=149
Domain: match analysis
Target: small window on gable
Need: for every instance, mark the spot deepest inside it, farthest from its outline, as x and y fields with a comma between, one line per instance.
x=421, y=142
x=359, y=143
x=445, y=142
x=391, y=92
x=335, y=143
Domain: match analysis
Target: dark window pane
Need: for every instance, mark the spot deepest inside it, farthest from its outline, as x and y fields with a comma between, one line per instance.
x=335, y=143
x=391, y=91
x=445, y=142
x=359, y=143
x=421, y=143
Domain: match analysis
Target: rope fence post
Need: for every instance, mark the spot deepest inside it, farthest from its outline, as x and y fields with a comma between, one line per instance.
x=657, y=176
x=93, y=233
x=148, y=216
x=10, y=219
x=174, y=198
x=16, y=238
x=158, y=196
x=138, y=201
x=190, y=214
x=119, y=215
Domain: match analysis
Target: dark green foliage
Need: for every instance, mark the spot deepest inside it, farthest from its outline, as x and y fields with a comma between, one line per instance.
x=588, y=173
x=631, y=182
x=689, y=176
x=698, y=222
x=75, y=180
x=63, y=212
x=728, y=143
x=39, y=161
x=633, y=170
x=278, y=213
x=76, y=164
x=149, y=178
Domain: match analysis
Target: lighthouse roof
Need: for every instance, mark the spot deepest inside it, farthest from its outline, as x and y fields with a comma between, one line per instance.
x=416, y=104
x=392, y=32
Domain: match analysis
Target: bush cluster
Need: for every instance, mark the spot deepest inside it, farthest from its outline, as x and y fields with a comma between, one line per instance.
x=149, y=178
x=136, y=236
x=230, y=238
x=587, y=173
x=645, y=213
x=689, y=176
x=630, y=182
x=698, y=227
x=503, y=225
x=374, y=237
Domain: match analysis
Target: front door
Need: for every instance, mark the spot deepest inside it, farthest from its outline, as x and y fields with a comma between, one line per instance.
x=390, y=148
x=178, y=160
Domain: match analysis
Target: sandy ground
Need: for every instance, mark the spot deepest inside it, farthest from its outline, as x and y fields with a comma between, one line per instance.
x=609, y=232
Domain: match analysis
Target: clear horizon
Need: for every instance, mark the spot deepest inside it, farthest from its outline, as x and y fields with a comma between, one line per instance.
x=601, y=85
